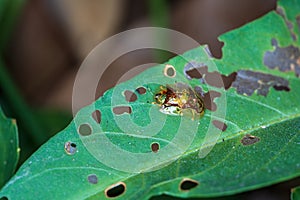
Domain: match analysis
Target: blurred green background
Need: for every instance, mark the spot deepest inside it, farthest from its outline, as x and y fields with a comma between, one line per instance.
x=43, y=43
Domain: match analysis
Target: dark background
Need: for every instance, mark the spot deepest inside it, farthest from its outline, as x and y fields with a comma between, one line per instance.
x=50, y=39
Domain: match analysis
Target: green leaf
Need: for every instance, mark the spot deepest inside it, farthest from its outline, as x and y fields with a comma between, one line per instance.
x=295, y=195
x=9, y=148
x=248, y=137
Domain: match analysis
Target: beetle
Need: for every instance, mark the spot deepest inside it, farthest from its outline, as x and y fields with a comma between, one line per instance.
x=178, y=98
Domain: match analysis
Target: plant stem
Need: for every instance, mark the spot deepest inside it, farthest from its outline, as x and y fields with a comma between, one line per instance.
x=159, y=13
x=23, y=114
x=9, y=13
x=159, y=17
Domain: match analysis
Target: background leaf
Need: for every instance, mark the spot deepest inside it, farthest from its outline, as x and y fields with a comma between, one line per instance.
x=259, y=145
x=34, y=125
x=9, y=148
x=295, y=194
x=8, y=13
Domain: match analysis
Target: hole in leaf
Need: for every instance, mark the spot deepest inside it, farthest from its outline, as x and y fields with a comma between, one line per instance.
x=228, y=80
x=97, y=116
x=121, y=110
x=217, y=80
x=70, y=148
x=220, y=125
x=195, y=70
x=155, y=147
x=93, y=179
x=249, y=139
x=130, y=96
x=200, y=71
x=141, y=90
x=281, y=87
x=217, y=50
x=85, y=129
x=188, y=184
x=169, y=71
x=207, y=50
x=115, y=190
x=209, y=98
x=3, y=198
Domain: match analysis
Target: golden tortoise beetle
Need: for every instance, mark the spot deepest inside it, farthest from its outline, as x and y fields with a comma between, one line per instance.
x=178, y=98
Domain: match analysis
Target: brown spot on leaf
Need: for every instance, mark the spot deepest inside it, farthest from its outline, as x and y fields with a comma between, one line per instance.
x=130, y=96
x=284, y=59
x=121, y=110
x=141, y=90
x=97, y=116
x=187, y=184
x=289, y=24
x=115, y=190
x=249, y=139
x=200, y=71
x=249, y=81
x=220, y=125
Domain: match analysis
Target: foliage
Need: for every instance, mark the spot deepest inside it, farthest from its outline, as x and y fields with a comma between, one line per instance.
x=249, y=136
x=9, y=148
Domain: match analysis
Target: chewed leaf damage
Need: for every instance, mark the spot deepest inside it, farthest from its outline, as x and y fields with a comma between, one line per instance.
x=247, y=82
x=283, y=58
x=249, y=140
x=298, y=21
x=288, y=23
x=215, y=79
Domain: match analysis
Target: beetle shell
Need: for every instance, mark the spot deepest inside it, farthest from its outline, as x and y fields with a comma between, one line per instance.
x=175, y=99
